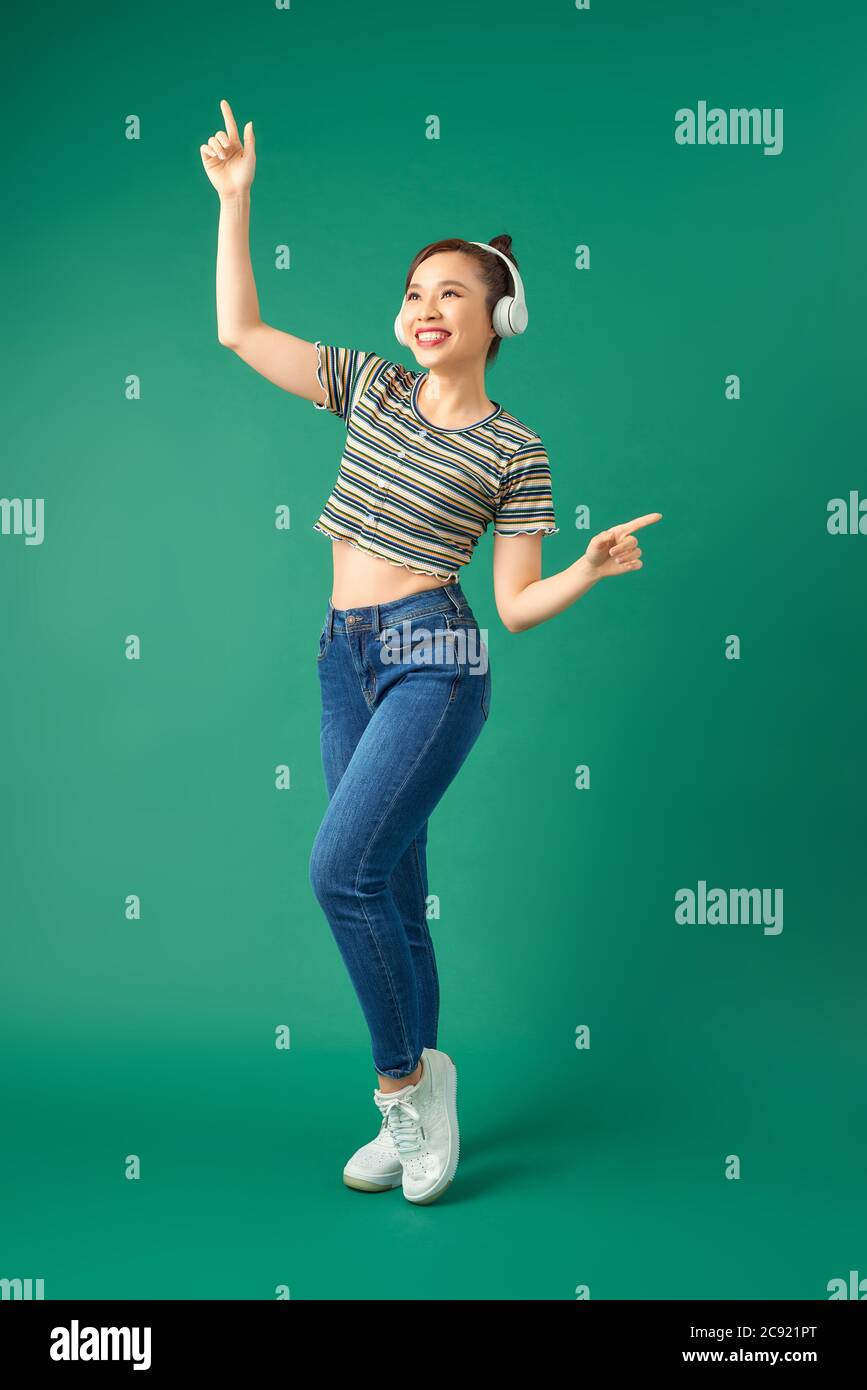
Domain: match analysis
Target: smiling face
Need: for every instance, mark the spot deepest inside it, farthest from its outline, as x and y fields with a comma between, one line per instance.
x=445, y=304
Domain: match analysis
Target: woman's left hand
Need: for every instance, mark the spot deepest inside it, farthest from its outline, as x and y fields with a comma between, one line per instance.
x=616, y=551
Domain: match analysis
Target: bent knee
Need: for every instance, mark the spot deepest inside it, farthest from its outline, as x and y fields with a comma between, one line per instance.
x=340, y=868
x=331, y=871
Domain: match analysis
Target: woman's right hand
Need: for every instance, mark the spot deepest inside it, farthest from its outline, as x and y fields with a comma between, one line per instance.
x=228, y=164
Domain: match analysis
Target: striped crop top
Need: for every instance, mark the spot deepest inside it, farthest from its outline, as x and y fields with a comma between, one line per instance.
x=412, y=492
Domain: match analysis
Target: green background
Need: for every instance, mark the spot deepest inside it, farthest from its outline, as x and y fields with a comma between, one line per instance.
x=602, y=1167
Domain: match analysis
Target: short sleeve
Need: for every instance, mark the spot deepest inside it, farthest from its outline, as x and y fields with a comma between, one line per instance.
x=337, y=370
x=525, y=502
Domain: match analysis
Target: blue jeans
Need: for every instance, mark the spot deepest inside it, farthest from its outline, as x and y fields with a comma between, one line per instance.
x=406, y=690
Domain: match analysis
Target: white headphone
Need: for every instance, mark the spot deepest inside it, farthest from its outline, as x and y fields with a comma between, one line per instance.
x=510, y=313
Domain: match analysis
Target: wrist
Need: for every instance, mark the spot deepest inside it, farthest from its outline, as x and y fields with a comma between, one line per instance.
x=585, y=571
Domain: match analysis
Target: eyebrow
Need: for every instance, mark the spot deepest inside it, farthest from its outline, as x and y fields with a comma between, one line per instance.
x=416, y=286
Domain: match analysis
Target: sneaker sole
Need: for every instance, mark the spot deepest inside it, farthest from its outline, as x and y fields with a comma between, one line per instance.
x=365, y=1185
x=444, y=1182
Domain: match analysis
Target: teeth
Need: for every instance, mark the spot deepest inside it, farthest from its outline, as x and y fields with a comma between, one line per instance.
x=431, y=337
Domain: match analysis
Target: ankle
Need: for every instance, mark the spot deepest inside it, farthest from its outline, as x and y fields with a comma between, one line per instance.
x=397, y=1083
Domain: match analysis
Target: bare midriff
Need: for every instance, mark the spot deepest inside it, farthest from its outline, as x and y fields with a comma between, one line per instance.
x=361, y=580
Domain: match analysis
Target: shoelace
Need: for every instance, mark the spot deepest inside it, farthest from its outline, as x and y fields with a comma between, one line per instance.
x=403, y=1121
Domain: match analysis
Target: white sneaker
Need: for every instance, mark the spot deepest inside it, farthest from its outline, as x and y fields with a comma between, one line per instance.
x=423, y=1119
x=375, y=1167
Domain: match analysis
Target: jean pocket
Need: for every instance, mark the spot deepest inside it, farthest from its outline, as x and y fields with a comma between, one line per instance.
x=425, y=640
x=323, y=641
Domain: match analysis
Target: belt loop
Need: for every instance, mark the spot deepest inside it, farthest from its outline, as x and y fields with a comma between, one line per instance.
x=330, y=620
x=449, y=593
x=375, y=607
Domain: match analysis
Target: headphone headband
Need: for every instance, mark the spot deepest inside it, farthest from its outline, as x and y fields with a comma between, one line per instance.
x=513, y=271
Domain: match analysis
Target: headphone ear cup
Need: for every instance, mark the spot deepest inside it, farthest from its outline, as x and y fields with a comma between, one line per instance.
x=509, y=317
x=398, y=332
x=518, y=316
x=500, y=317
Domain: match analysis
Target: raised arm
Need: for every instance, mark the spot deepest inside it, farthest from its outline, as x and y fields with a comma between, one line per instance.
x=288, y=361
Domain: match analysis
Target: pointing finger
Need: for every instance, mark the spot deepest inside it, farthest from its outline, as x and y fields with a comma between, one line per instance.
x=647, y=520
x=231, y=127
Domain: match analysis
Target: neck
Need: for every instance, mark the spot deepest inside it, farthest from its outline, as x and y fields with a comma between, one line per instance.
x=454, y=401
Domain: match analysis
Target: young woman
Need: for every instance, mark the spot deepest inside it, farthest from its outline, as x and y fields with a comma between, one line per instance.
x=429, y=462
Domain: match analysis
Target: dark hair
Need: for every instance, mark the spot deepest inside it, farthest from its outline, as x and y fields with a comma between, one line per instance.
x=493, y=271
